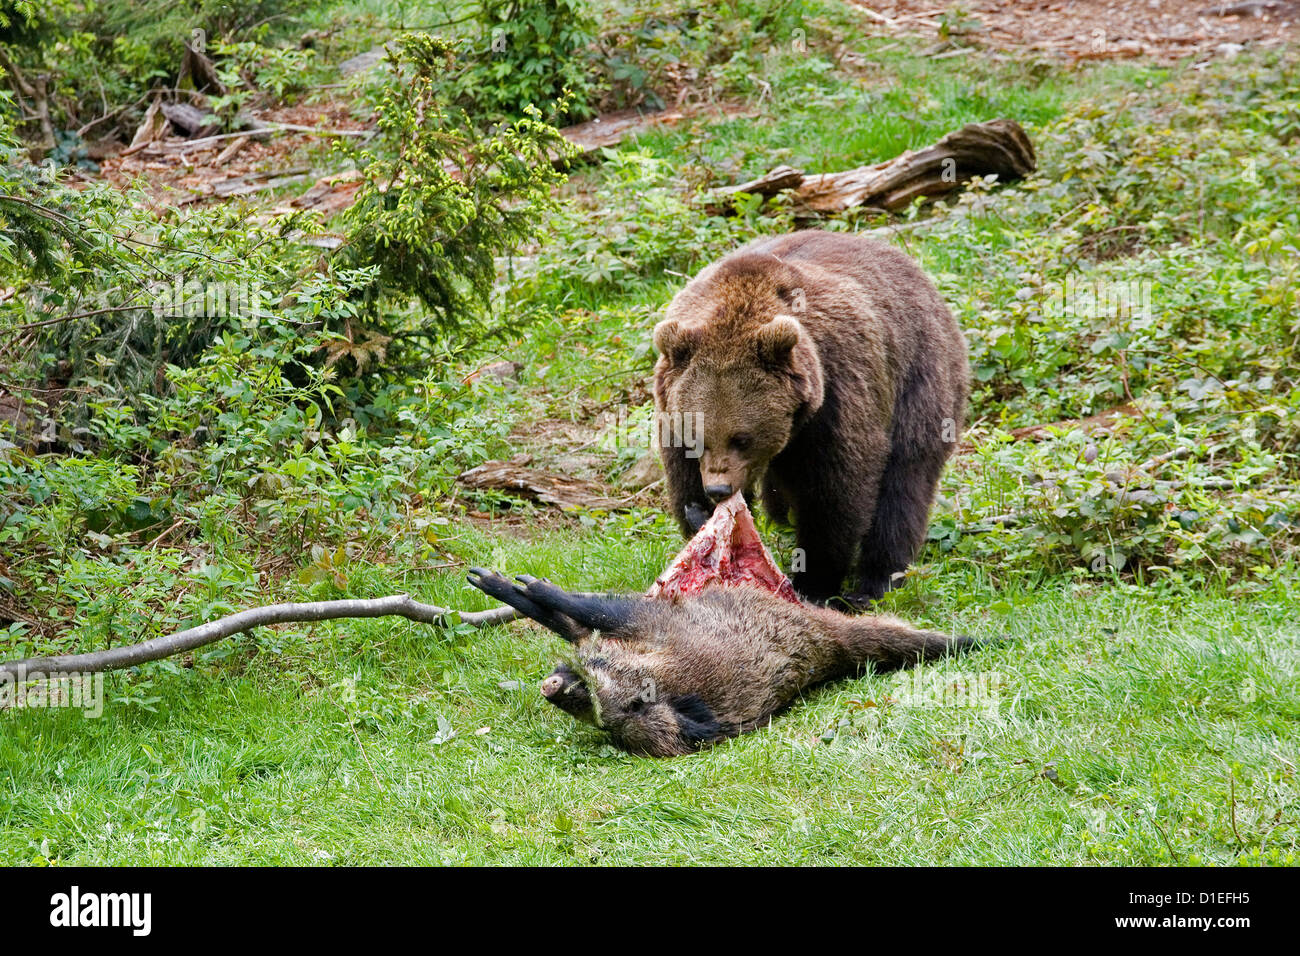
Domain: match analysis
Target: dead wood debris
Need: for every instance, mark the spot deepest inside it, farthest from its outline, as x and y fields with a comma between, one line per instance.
x=999, y=147
x=559, y=491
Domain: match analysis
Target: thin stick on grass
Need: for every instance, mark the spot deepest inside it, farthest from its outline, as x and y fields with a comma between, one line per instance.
x=117, y=658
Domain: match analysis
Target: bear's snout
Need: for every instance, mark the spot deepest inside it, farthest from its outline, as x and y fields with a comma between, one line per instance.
x=718, y=492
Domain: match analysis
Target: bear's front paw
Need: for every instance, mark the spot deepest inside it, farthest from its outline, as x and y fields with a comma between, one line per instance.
x=697, y=514
x=855, y=602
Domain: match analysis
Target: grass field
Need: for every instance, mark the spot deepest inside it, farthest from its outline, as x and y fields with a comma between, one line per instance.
x=1146, y=712
x=1107, y=726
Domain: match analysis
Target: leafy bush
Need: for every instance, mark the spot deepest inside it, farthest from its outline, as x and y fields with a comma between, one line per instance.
x=441, y=199
x=112, y=293
x=529, y=53
x=280, y=74
x=112, y=51
x=1100, y=285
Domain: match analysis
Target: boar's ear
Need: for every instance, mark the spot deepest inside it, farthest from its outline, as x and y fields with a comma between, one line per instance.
x=697, y=724
x=675, y=341
x=784, y=344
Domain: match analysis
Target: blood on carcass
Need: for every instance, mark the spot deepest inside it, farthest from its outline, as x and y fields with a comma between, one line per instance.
x=726, y=551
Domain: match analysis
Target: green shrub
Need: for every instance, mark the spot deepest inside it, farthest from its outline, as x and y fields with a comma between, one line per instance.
x=441, y=199
x=529, y=53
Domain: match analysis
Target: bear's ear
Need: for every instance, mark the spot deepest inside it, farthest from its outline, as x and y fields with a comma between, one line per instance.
x=777, y=339
x=675, y=342
x=784, y=344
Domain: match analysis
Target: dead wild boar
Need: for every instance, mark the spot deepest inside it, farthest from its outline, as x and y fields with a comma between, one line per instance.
x=718, y=645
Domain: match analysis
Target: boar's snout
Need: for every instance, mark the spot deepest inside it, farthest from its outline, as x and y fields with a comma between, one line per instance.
x=565, y=689
x=552, y=685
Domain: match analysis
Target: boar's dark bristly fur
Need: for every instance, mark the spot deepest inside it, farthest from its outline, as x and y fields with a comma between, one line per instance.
x=668, y=676
x=825, y=370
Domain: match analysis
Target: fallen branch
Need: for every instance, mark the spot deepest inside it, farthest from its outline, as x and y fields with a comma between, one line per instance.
x=609, y=130
x=998, y=147
x=1101, y=422
x=256, y=182
x=560, y=491
x=157, y=648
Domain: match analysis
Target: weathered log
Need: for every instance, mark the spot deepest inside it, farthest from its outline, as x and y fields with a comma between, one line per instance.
x=559, y=491
x=778, y=180
x=190, y=120
x=998, y=147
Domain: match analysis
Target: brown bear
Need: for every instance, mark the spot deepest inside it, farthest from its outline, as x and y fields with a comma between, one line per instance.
x=825, y=369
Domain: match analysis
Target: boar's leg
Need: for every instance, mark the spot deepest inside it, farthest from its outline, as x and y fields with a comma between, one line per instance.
x=495, y=585
x=612, y=615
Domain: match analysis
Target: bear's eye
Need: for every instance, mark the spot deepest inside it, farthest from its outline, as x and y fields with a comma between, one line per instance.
x=740, y=442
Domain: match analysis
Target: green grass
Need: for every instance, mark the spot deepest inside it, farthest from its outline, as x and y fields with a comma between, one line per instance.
x=825, y=120
x=1116, y=726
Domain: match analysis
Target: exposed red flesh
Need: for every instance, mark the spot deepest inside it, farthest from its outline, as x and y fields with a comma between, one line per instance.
x=726, y=551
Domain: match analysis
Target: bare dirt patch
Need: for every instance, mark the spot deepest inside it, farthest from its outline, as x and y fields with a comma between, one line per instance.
x=174, y=174
x=1163, y=30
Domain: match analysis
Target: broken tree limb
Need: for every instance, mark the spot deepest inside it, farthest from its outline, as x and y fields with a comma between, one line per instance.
x=117, y=658
x=998, y=147
x=545, y=488
x=1101, y=422
x=190, y=120
x=258, y=181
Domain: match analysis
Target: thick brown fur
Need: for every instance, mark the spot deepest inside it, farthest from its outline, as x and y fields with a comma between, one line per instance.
x=670, y=676
x=825, y=369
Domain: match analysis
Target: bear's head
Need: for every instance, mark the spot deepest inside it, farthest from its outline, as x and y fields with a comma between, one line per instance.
x=742, y=372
